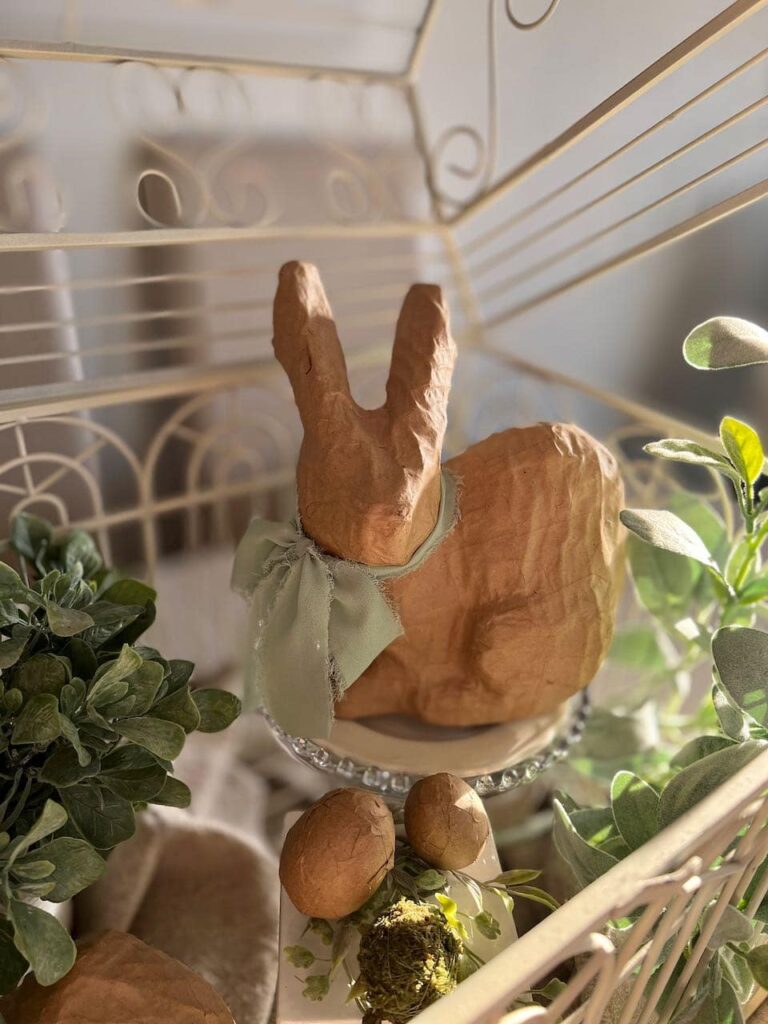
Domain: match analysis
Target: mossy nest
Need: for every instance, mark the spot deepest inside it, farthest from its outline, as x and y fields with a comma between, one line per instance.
x=408, y=958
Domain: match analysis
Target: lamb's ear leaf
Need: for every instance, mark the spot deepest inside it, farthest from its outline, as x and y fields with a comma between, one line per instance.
x=669, y=532
x=741, y=659
x=757, y=959
x=725, y=342
x=733, y=721
x=43, y=940
x=698, y=780
x=585, y=861
x=679, y=450
x=635, y=807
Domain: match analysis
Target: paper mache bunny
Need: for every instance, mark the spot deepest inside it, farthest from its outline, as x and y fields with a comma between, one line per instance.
x=499, y=570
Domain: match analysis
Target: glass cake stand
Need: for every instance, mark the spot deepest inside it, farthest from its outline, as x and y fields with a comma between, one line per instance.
x=387, y=755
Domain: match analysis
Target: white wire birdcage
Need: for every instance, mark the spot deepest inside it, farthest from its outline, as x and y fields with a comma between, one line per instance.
x=159, y=165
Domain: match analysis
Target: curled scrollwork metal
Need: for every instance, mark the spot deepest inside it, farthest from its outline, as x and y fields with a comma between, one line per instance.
x=525, y=26
x=482, y=165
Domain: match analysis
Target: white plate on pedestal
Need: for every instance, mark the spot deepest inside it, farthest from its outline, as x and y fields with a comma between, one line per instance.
x=389, y=754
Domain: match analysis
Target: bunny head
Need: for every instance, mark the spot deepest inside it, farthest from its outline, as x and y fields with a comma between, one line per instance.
x=368, y=479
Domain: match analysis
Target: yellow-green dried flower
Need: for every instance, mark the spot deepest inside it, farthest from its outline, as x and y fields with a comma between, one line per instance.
x=408, y=958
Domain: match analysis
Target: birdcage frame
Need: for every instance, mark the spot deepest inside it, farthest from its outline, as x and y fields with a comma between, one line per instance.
x=713, y=852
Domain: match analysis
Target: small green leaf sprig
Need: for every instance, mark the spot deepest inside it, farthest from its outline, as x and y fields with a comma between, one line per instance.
x=412, y=879
x=90, y=724
x=705, y=590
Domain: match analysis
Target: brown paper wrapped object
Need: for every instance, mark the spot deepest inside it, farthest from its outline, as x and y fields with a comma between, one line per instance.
x=120, y=980
x=513, y=613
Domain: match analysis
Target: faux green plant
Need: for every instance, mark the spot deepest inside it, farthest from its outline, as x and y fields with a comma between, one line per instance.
x=705, y=589
x=410, y=885
x=90, y=724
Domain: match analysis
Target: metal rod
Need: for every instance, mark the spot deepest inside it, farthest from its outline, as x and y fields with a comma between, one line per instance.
x=86, y=53
x=673, y=234
x=536, y=268
x=43, y=240
x=423, y=33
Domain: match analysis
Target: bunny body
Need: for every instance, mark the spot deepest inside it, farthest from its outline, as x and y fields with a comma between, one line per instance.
x=513, y=612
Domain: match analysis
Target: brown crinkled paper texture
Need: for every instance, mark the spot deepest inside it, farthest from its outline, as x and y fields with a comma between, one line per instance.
x=117, y=979
x=514, y=612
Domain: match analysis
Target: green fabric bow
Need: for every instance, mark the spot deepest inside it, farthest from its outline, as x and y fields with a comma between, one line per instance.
x=316, y=622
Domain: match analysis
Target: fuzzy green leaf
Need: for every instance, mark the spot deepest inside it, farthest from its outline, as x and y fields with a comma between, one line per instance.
x=664, y=582
x=517, y=876
x=79, y=548
x=179, y=674
x=63, y=768
x=129, y=592
x=103, y=818
x=635, y=807
x=75, y=866
x=585, y=861
x=44, y=942
x=757, y=959
x=38, y=722
x=165, y=739
x=174, y=793
x=115, y=671
x=178, y=707
x=218, y=709
x=725, y=342
x=32, y=870
x=698, y=780
x=741, y=660
x=50, y=820
x=11, y=650
x=42, y=673
x=698, y=747
x=67, y=621
x=733, y=926
x=744, y=448
x=133, y=773
x=678, y=450
x=669, y=532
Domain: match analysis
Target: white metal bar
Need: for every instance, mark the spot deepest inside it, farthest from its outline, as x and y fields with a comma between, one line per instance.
x=487, y=992
x=85, y=53
x=687, y=227
x=40, y=240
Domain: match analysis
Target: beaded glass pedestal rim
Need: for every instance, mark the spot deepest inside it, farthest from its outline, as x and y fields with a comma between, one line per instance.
x=397, y=783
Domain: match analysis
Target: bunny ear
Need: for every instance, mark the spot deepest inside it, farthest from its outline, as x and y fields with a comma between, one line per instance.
x=305, y=339
x=423, y=357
